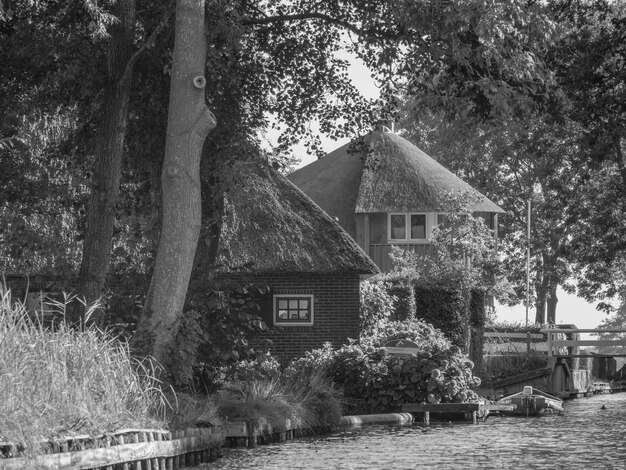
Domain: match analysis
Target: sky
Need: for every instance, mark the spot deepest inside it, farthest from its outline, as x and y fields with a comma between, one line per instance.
x=570, y=308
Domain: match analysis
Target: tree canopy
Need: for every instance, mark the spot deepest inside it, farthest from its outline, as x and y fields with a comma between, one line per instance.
x=526, y=99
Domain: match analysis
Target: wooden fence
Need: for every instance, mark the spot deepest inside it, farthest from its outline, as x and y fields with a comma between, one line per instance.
x=128, y=449
x=556, y=342
x=563, y=342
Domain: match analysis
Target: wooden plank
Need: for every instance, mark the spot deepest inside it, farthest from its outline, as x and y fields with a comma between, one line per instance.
x=401, y=351
x=589, y=342
x=121, y=454
x=598, y=356
x=497, y=407
x=513, y=335
x=440, y=407
x=584, y=330
x=366, y=232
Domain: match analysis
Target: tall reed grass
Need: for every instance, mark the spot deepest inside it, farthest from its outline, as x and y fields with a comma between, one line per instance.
x=307, y=400
x=57, y=381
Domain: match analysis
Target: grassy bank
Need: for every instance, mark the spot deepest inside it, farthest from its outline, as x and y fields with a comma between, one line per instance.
x=57, y=382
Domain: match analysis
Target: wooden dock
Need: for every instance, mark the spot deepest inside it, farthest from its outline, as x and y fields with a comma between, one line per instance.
x=472, y=411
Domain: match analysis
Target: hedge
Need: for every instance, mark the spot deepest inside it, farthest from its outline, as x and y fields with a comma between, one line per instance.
x=447, y=309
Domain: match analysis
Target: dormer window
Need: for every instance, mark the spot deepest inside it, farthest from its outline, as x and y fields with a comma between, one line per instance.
x=409, y=227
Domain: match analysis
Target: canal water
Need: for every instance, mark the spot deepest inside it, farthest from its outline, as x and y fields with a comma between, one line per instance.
x=585, y=436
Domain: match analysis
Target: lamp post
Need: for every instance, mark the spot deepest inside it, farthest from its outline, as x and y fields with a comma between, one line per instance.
x=527, y=261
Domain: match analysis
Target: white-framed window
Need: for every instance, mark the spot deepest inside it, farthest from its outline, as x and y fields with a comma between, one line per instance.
x=293, y=309
x=410, y=227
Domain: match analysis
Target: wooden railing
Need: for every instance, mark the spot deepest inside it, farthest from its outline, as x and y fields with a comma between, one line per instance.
x=554, y=343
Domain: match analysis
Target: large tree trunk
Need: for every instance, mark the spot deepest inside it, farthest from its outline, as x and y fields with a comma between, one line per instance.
x=189, y=122
x=540, y=289
x=551, y=302
x=109, y=149
x=551, y=266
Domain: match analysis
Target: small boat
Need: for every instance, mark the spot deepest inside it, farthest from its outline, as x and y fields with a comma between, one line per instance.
x=532, y=402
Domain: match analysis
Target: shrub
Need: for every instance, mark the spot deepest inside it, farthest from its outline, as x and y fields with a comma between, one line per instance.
x=321, y=399
x=309, y=400
x=376, y=306
x=447, y=309
x=401, y=290
x=374, y=381
x=514, y=327
x=219, y=329
x=261, y=368
x=427, y=337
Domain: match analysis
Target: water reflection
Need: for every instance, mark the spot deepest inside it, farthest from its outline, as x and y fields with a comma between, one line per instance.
x=585, y=436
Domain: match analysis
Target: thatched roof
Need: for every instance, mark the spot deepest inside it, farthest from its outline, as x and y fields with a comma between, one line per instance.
x=391, y=175
x=271, y=226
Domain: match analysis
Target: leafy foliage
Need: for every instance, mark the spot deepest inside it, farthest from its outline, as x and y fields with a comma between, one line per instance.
x=376, y=306
x=617, y=320
x=447, y=308
x=464, y=250
x=400, y=289
x=374, y=381
x=218, y=330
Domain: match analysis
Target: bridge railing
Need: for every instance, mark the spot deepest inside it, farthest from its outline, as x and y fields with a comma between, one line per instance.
x=555, y=342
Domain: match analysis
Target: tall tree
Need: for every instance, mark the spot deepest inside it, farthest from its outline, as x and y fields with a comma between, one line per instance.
x=513, y=161
x=109, y=147
x=189, y=122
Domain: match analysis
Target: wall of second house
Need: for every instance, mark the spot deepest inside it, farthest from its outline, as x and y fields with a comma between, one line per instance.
x=372, y=237
x=336, y=300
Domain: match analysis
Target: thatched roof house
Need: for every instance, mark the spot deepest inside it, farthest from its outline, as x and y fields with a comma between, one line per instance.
x=271, y=226
x=385, y=191
x=277, y=235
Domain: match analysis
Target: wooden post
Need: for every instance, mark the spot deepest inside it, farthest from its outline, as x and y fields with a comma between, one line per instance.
x=138, y=465
x=159, y=437
x=145, y=438
x=474, y=418
x=107, y=443
x=121, y=441
x=549, y=343
x=426, y=417
x=191, y=456
x=528, y=342
x=366, y=233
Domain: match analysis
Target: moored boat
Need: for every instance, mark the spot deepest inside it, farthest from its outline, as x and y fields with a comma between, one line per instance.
x=532, y=401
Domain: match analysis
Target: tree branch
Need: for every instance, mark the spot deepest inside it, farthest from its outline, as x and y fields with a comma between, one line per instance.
x=150, y=39
x=303, y=16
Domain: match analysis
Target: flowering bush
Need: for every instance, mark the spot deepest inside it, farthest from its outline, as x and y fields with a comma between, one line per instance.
x=376, y=306
x=374, y=381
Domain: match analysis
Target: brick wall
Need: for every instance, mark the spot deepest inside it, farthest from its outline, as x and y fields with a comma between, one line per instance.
x=336, y=301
